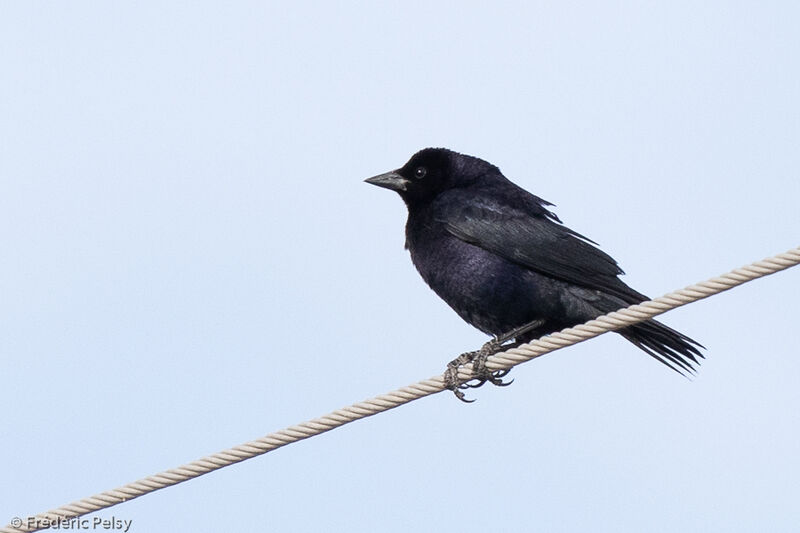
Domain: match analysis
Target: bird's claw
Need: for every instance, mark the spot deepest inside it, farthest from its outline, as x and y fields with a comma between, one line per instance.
x=483, y=374
x=480, y=372
x=451, y=380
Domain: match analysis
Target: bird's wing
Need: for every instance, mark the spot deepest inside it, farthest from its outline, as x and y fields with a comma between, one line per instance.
x=531, y=236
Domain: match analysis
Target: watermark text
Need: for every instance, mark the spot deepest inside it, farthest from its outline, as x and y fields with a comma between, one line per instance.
x=95, y=523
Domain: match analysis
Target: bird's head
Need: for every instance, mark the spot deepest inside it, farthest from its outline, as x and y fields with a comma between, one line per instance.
x=431, y=171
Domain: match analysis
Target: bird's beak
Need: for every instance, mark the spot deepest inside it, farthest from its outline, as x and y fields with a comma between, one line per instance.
x=390, y=180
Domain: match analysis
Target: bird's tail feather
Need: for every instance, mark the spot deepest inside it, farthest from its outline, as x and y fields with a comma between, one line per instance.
x=674, y=349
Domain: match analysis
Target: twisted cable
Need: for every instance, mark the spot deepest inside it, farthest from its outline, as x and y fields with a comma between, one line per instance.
x=504, y=360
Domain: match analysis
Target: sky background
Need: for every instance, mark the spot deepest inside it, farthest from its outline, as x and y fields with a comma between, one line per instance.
x=190, y=260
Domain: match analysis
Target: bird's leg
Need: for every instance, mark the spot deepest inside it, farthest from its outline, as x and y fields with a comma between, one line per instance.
x=514, y=333
x=478, y=359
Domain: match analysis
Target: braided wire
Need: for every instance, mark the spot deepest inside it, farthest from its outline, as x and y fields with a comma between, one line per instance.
x=504, y=360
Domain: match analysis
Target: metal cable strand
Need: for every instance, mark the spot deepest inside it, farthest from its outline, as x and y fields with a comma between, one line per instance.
x=526, y=352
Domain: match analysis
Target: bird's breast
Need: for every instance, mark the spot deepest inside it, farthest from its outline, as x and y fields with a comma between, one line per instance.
x=489, y=292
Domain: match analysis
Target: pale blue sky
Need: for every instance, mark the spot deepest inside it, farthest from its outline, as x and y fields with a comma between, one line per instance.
x=191, y=260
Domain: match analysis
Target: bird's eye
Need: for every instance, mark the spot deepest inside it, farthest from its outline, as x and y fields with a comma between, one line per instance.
x=420, y=172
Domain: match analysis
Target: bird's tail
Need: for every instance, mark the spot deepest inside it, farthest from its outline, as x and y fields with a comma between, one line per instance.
x=666, y=345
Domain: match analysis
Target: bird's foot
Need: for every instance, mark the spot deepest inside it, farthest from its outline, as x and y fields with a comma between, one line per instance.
x=479, y=370
x=483, y=374
x=451, y=380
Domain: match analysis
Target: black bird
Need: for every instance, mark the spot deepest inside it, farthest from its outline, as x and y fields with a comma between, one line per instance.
x=505, y=263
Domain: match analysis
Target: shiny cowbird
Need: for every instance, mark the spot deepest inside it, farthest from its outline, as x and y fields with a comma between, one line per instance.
x=505, y=263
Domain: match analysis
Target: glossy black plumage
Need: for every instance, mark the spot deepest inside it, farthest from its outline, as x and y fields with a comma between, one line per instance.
x=501, y=259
